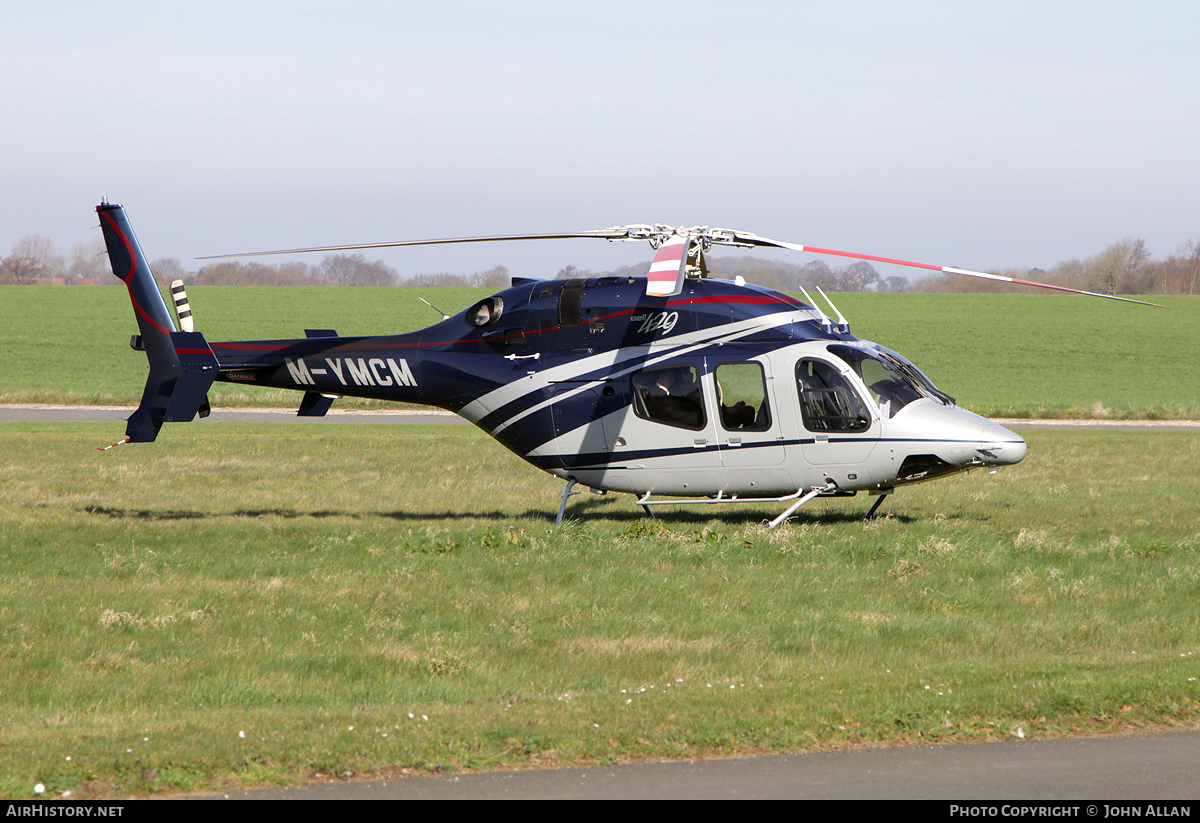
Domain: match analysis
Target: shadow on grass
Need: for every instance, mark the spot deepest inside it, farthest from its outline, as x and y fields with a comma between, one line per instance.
x=184, y=514
x=600, y=508
x=704, y=512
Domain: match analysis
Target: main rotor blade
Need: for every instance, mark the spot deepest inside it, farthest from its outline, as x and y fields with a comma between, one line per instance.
x=615, y=233
x=659, y=234
x=755, y=240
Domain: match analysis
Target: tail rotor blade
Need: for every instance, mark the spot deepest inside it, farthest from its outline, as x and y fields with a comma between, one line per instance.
x=183, y=310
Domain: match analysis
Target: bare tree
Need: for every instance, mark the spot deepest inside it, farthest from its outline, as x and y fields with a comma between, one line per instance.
x=41, y=255
x=494, y=278
x=1189, y=259
x=354, y=270
x=228, y=273
x=573, y=272
x=440, y=279
x=814, y=273
x=20, y=271
x=858, y=276
x=252, y=274
x=298, y=274
x=89, y=261
x=1115, y=264
x=168, y=269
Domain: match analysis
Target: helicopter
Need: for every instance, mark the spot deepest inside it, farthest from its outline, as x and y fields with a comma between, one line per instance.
x=676, y=387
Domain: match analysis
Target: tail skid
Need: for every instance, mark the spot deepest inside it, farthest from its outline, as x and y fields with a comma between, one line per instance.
x=182, y=364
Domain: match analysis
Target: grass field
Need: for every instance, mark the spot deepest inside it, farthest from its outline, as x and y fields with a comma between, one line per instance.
x=1000, y=355
x=254, y=604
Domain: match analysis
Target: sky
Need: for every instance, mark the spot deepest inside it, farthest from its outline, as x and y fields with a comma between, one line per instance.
x=983, y=135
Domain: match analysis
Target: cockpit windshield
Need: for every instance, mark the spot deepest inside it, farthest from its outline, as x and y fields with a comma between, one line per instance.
x=893, y=381
x=916, y=374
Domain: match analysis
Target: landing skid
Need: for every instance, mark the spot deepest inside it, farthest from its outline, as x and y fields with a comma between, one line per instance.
x=800, y=497
x=645, y=502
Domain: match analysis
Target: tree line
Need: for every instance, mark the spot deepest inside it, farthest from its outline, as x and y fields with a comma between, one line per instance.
x=1125, y=267
x=333, y=270
x=36, y=260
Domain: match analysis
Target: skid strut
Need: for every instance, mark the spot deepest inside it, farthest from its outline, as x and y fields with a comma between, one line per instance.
x=875, y=507
x=798, y=504
x=562, y=506
x=645, y=502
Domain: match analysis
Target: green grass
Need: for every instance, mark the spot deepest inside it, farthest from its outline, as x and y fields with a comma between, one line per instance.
x=1012, y=355
x=370, y=598
x=71, y=345
x=1034, y=355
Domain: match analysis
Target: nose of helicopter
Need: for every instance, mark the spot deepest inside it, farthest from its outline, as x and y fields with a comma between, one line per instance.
x=1000, y=447
x=962, y=438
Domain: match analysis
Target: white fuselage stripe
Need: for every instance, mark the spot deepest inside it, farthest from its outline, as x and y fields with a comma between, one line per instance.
x=677, y=347
x=477, y=409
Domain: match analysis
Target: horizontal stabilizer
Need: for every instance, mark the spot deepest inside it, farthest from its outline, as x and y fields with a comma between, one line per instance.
x=315, y=404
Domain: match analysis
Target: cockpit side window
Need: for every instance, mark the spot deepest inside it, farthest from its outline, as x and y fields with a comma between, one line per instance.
x=570, y=304
x=828, y=402
x=670, y=395
x=486, y=312
x=742, y=397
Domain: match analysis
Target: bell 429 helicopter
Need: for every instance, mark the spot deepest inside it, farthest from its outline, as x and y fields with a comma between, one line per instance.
x=674, y=387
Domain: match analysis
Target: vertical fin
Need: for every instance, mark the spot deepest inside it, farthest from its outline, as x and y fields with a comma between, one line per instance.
x=153, y=318
x=182, y=364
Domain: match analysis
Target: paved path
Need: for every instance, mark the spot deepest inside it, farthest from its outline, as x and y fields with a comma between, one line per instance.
x=1159, y=767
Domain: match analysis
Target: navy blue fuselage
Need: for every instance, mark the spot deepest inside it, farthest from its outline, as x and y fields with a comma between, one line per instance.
x=542, y=326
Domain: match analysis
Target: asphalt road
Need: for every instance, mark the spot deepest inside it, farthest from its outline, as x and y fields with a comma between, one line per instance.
x=1159, y=767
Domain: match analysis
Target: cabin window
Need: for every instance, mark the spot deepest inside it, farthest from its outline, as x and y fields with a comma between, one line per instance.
x=828, y=403
x=742, y=397
x=670, y=395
